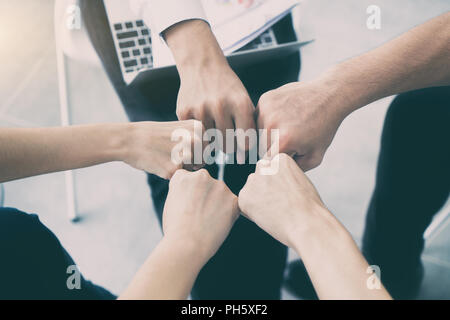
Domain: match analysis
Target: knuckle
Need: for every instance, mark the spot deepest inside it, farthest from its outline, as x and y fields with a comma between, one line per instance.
x=284, y=159
x=252, y=177
x=242, y=196
x=182, y=113
x=177, y=176
x=242, y=101
x=265, y=99
x=202, y=174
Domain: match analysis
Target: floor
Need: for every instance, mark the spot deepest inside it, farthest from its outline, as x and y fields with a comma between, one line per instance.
x=117, y=228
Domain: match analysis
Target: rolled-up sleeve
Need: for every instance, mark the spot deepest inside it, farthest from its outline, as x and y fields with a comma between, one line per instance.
x=160, y=15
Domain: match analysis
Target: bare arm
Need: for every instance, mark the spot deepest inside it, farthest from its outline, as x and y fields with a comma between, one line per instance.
x=331, y=257
x=168, y=273
x=417, y=59
x=334, y=263
x=310, y=113
x=145, y=146
x=210, y=91
x=28, y=152
x=198, y=216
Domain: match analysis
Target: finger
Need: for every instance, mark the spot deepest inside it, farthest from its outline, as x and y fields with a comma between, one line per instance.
x=222, y=124
x=185, y=114
x=262, y=165
x=208, y=121
x=177, y=175
x=259, y=118
x=245, y=120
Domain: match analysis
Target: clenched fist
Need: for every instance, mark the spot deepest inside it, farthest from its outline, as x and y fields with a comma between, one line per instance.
x=307, y=118
x=149, y=146
x=199, y=210
x=283, y=204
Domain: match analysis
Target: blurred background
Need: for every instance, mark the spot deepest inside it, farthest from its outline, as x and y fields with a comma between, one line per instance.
x=118, y=229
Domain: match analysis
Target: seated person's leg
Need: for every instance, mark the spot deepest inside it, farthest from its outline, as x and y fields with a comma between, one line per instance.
x=412, y=183
x=35, y=265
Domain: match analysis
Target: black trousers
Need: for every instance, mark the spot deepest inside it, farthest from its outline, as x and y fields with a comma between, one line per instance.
x=34, y=265
x=250, y=264
x=412, y=184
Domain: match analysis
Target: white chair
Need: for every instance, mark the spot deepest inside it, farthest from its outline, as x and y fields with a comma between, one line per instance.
x=2, y=195
x=72, y=42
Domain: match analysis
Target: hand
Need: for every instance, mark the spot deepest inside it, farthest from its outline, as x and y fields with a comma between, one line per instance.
x=216, y=96
x=149, y=146
x=199, y=210
x=307, y=116
x=283, y=204
x=210, y=91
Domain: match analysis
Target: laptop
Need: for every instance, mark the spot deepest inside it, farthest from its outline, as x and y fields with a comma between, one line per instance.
x=135, y=44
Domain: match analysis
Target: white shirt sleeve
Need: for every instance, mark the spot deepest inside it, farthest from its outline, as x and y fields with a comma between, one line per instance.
x=159, y=15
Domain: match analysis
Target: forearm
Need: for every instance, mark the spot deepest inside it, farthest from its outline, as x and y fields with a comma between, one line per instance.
x=417, y=59
x=29, y=152
x=334, y=263
x=169, y=273
x=193, y=46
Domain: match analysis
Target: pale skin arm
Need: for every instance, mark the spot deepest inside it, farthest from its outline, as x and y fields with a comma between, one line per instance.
x=168, y=273
x=333, y=261
x=417, y=59
x=309, y=114
x=29, y=152
x=145, y=146
x=199, y=213
x=194, y=225
x=210, y=91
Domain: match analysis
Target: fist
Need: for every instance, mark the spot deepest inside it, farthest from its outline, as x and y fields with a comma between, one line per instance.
x=280, y=203
x=307, y=120
x=199, y=209
x=151, y=146
x=218, y=99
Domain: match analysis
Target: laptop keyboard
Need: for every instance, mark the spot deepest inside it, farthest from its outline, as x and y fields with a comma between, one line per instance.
x=265, y=40
x=135, y=45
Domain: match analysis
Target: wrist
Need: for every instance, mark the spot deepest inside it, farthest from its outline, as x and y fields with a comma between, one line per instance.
x=348, y=87
x=199, y=50
x=115, y=141
x=318, y=231
x=193, y=250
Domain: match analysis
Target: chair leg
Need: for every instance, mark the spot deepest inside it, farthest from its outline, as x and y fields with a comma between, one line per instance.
x=2, y=195
x=65, y=121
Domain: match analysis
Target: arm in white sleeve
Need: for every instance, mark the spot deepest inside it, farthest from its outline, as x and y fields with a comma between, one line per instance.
x=162, y=14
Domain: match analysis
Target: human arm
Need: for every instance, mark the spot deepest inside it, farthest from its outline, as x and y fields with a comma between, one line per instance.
x=309, y=114
x=144, y=145
x=209, y=90
x=287, y=206
x=198, y=216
